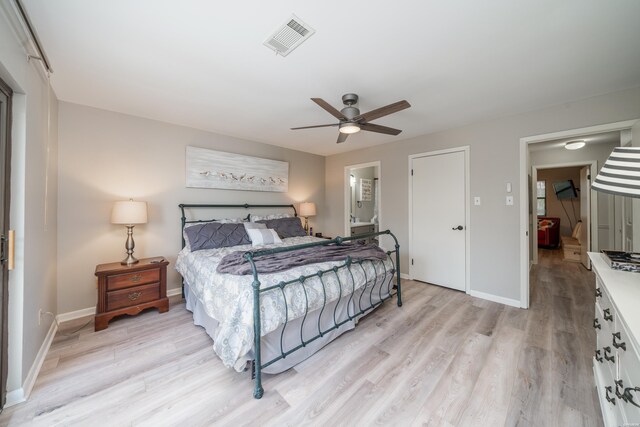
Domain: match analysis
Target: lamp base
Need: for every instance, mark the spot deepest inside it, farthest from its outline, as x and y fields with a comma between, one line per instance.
x=129, y=260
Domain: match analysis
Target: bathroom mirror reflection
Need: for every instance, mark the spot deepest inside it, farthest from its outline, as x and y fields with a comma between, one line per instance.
x=364, y=196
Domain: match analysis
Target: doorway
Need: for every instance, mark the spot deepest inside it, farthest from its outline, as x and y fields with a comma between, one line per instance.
x=363, y=201
x=5, y=179
x=527, y=226
x=439, y=218
x=565, y=209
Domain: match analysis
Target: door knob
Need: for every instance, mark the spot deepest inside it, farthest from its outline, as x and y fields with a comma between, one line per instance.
x=458, y=228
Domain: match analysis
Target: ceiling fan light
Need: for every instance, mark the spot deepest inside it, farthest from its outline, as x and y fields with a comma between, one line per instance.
x=574, y=145
x=349, y=128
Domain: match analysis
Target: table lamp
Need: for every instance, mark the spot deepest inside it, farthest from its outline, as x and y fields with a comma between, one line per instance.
x=129, y=213
x=307, y=209
x=620, y=174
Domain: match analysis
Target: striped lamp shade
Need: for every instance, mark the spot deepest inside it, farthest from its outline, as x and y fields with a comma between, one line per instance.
x=620, y=174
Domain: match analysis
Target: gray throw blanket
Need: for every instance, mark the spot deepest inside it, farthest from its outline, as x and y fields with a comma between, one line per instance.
x=235, y=263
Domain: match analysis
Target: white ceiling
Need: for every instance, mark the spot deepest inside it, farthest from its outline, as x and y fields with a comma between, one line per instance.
x=201, y=63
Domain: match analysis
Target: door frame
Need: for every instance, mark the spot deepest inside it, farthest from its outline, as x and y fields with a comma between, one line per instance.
x=467, y=208
x=524, y=193
x=347, y=195
x=593, y=171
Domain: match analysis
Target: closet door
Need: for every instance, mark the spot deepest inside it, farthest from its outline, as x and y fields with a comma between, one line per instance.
x=438, y=219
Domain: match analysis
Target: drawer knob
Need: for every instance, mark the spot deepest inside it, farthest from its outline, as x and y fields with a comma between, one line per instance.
x=596, y=324
x=617, y=344
x=598, y=293
x=598, y=357
x=607, y=315
x=610, y=399
x=607, y=350
x=134, y=296
x=627, y=396
x=135, y=278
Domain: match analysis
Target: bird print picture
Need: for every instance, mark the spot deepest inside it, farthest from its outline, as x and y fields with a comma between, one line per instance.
x=219, y=169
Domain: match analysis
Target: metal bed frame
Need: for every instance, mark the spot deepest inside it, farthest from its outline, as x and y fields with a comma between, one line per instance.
x=349, y=264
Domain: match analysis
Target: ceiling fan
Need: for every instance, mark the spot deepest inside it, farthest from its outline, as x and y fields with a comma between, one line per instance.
x=351, y=121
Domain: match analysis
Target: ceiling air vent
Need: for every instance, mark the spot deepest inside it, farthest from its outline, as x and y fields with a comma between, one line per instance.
x=289, y=36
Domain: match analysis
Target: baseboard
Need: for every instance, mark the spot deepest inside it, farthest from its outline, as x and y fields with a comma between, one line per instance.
x=173, y=292
x=72, y=315
x=20, y=395
x=405, y=276
x=495, y=298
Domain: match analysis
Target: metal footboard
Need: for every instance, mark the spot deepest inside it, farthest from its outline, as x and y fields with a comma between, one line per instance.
x=367, y=300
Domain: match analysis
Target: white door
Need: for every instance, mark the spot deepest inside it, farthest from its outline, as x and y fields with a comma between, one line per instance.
x=585, y=216
x=438, y=219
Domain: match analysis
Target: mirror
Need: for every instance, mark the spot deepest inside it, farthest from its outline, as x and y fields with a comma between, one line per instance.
x=364, y=187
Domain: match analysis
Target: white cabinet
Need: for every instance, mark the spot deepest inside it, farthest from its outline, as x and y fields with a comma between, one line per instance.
x=616, y=361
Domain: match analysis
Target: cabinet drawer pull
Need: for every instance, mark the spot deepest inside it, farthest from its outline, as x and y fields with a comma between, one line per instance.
x=628, y=397
x=598, y=293
x=611, y=358
x=617, y=344
x=598, y=357
x=134, y=296
x=135, y=278
x=607, y=315
x=596, y=324
x=611, y=400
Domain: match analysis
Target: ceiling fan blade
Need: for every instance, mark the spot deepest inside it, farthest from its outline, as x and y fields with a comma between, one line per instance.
x=380, y=129
x=383, y=111
x=316, y=126
x=328, y=108
x=342, y=137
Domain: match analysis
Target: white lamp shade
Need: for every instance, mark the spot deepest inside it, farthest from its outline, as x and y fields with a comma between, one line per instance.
x=307, y=209
x=129, y=212
x=620, y=174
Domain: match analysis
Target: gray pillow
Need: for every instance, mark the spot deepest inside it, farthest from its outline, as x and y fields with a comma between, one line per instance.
x=214, y=235
x=286, y=227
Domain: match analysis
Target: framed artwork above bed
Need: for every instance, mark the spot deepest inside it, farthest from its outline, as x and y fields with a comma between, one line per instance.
x=218, y=169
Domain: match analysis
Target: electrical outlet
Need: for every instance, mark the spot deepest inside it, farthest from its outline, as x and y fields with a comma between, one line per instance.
x=476, y=201
x=509, y=201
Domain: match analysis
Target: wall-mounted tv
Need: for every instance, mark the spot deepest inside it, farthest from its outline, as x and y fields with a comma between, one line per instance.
x=565, y=190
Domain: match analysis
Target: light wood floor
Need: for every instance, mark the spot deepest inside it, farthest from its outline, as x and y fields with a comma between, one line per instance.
x=443, y=359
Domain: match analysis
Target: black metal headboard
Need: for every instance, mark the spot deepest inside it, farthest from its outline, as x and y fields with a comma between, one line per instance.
x=184, y=206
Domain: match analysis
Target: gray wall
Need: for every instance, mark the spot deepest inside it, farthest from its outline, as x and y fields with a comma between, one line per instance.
x=106, y=156
x=32, y=283
x=494, y=161
x=554, y=206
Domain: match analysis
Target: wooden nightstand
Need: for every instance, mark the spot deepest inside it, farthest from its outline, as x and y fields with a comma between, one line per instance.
x=129, y=289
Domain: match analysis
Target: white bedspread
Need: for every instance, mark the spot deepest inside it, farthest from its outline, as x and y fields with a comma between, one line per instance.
x=229, y=298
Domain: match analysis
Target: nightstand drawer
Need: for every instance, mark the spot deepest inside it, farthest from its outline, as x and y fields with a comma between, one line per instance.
x=132, y=296
x=127, y=280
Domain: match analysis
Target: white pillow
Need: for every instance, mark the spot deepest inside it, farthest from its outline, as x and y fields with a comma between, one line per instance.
x=254, y=225
x=255, y=218
x=263, y=236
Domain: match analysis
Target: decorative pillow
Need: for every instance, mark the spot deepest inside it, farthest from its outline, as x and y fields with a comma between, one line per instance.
x=254, y=226
x=256, y=218
x=286, y=227
x=192, y=224
x=263, y=236
x=214, y=235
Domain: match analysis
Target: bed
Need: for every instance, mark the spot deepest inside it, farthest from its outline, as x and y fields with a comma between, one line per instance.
x=302, y=307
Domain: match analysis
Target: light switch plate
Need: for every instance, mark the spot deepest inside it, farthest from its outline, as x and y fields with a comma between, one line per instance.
x=509, y=200
x=476, y=201
x=508, y=187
